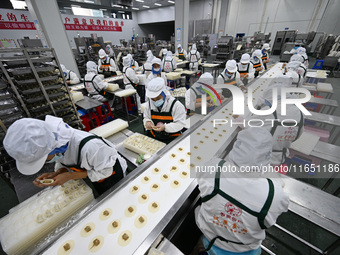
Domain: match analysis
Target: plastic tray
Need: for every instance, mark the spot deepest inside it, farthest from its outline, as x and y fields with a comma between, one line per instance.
x=6, y=112
x=37, y=90
x=7, y=103
x=48, y=78
x=37, y=99
x=22, y=61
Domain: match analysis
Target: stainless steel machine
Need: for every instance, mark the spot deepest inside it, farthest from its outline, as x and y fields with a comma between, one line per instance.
x=281, y=38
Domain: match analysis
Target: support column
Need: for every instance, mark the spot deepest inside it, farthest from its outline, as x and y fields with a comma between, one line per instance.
x=51, y=28
x=221, y=26
x=181, y=23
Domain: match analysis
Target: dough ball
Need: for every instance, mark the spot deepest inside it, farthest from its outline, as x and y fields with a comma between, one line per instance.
x=125, y=238
x=87, y=229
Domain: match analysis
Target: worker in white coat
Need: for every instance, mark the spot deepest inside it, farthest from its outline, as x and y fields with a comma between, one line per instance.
x=94, y=85
x=283, y=135
x=156, y=72
x=162, y=53
x=169, y=63
x=237, y=206
x=147, y=67
x=110, y=51
x=194, y=58
x=131, y=80
x=291, y=70
x=302, y=70
x=302, y=52
x=230, y=74
x=265, y=54
x=70, y=76
x=106, y=64
x=193, y=96
x=134, y=63
x=181, y=53
x=245, y=70
x=257, y=61
x=77, y=154
x=164, y=115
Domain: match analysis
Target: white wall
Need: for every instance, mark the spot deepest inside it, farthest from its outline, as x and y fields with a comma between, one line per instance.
x=331, y=18
x=199, y=10
x=162, y=14
x=249, y=16
x=107, y=36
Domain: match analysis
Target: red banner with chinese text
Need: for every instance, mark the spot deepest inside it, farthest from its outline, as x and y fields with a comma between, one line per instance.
x=17, y=25
x=92, y=28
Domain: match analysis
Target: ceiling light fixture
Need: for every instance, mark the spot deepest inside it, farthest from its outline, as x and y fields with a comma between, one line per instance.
x=172, y=2
x=140, y=1
x=103, y=9
x=158, y=4
x=121, y=11
x=116, y=5
x=134, y=8
x=145, y=6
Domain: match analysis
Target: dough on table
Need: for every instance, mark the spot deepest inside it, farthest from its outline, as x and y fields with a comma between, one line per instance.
x=184, y=174
x=175, y=184
x=174, y=169
x=143, y=198
x=165, y=177
x=180, y=149
x=154, y=207
x=172, y=155
x=134, y=189
x=114, y=226
x=130, y=211
x=87, y=229
x=66, y=247
x=145, y=179
x=125, y=238
x=105, y=214
x=96, y=243
x=156, y=170
x=154, y=187
x=181, y=161
x=140, y=221
x=188, y=153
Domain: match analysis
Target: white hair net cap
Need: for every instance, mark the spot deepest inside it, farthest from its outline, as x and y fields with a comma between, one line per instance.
x=257, y=53
x=194, y=47
x=179, y=46
x=149, y=53
x=155, y=87
x=156, y=61
x=91, y=66
x=169, y=54
x=266, y=46
x=297, y=57
x=101, y=53
x=231, y=66
x=129, y=56
x=126, y=61
x=29, y=141
x=245, y=58
x=253, y=147
x=300, y=50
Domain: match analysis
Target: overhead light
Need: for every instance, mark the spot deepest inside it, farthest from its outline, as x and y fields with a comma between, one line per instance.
x=134, y=8
x=116, y=5
x=172, y=2
x=121, y=11
x=77, y=6
x=103, y=9
x=158, y=4
x=140, y=1
x=145, y=6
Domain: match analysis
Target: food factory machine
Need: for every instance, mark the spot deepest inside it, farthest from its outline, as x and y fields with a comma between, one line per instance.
x=136, y=211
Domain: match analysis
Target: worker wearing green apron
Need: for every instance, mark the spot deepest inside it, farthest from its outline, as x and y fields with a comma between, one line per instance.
x=181, y=53
x=76, y=154
x=164, y=116
x=237, y=206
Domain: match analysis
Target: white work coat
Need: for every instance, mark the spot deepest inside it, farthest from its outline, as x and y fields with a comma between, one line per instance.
x=283, y=136
x=109, y=61
x=184, y=52
x=152, y=76
x=193, y=57
x=222, y=78
x=72, y=77
x=220, y=217
x=190, y=99
x=251, y=72
x=256, y=63
x=131, y=74
x=168, y=64
x=96, y=157
x=97, y=83
x=178, y=114
x=147, y=68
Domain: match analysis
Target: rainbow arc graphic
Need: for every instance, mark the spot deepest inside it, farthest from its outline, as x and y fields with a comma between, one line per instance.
x=212, y=93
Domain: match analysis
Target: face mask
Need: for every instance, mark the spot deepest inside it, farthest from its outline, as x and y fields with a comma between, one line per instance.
x=226, y=73
x=65, y=74
x=156, y=70
x=55, y=158
x=263, y=51
x=256, y=58
x=159, y=102
x=131, y=64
